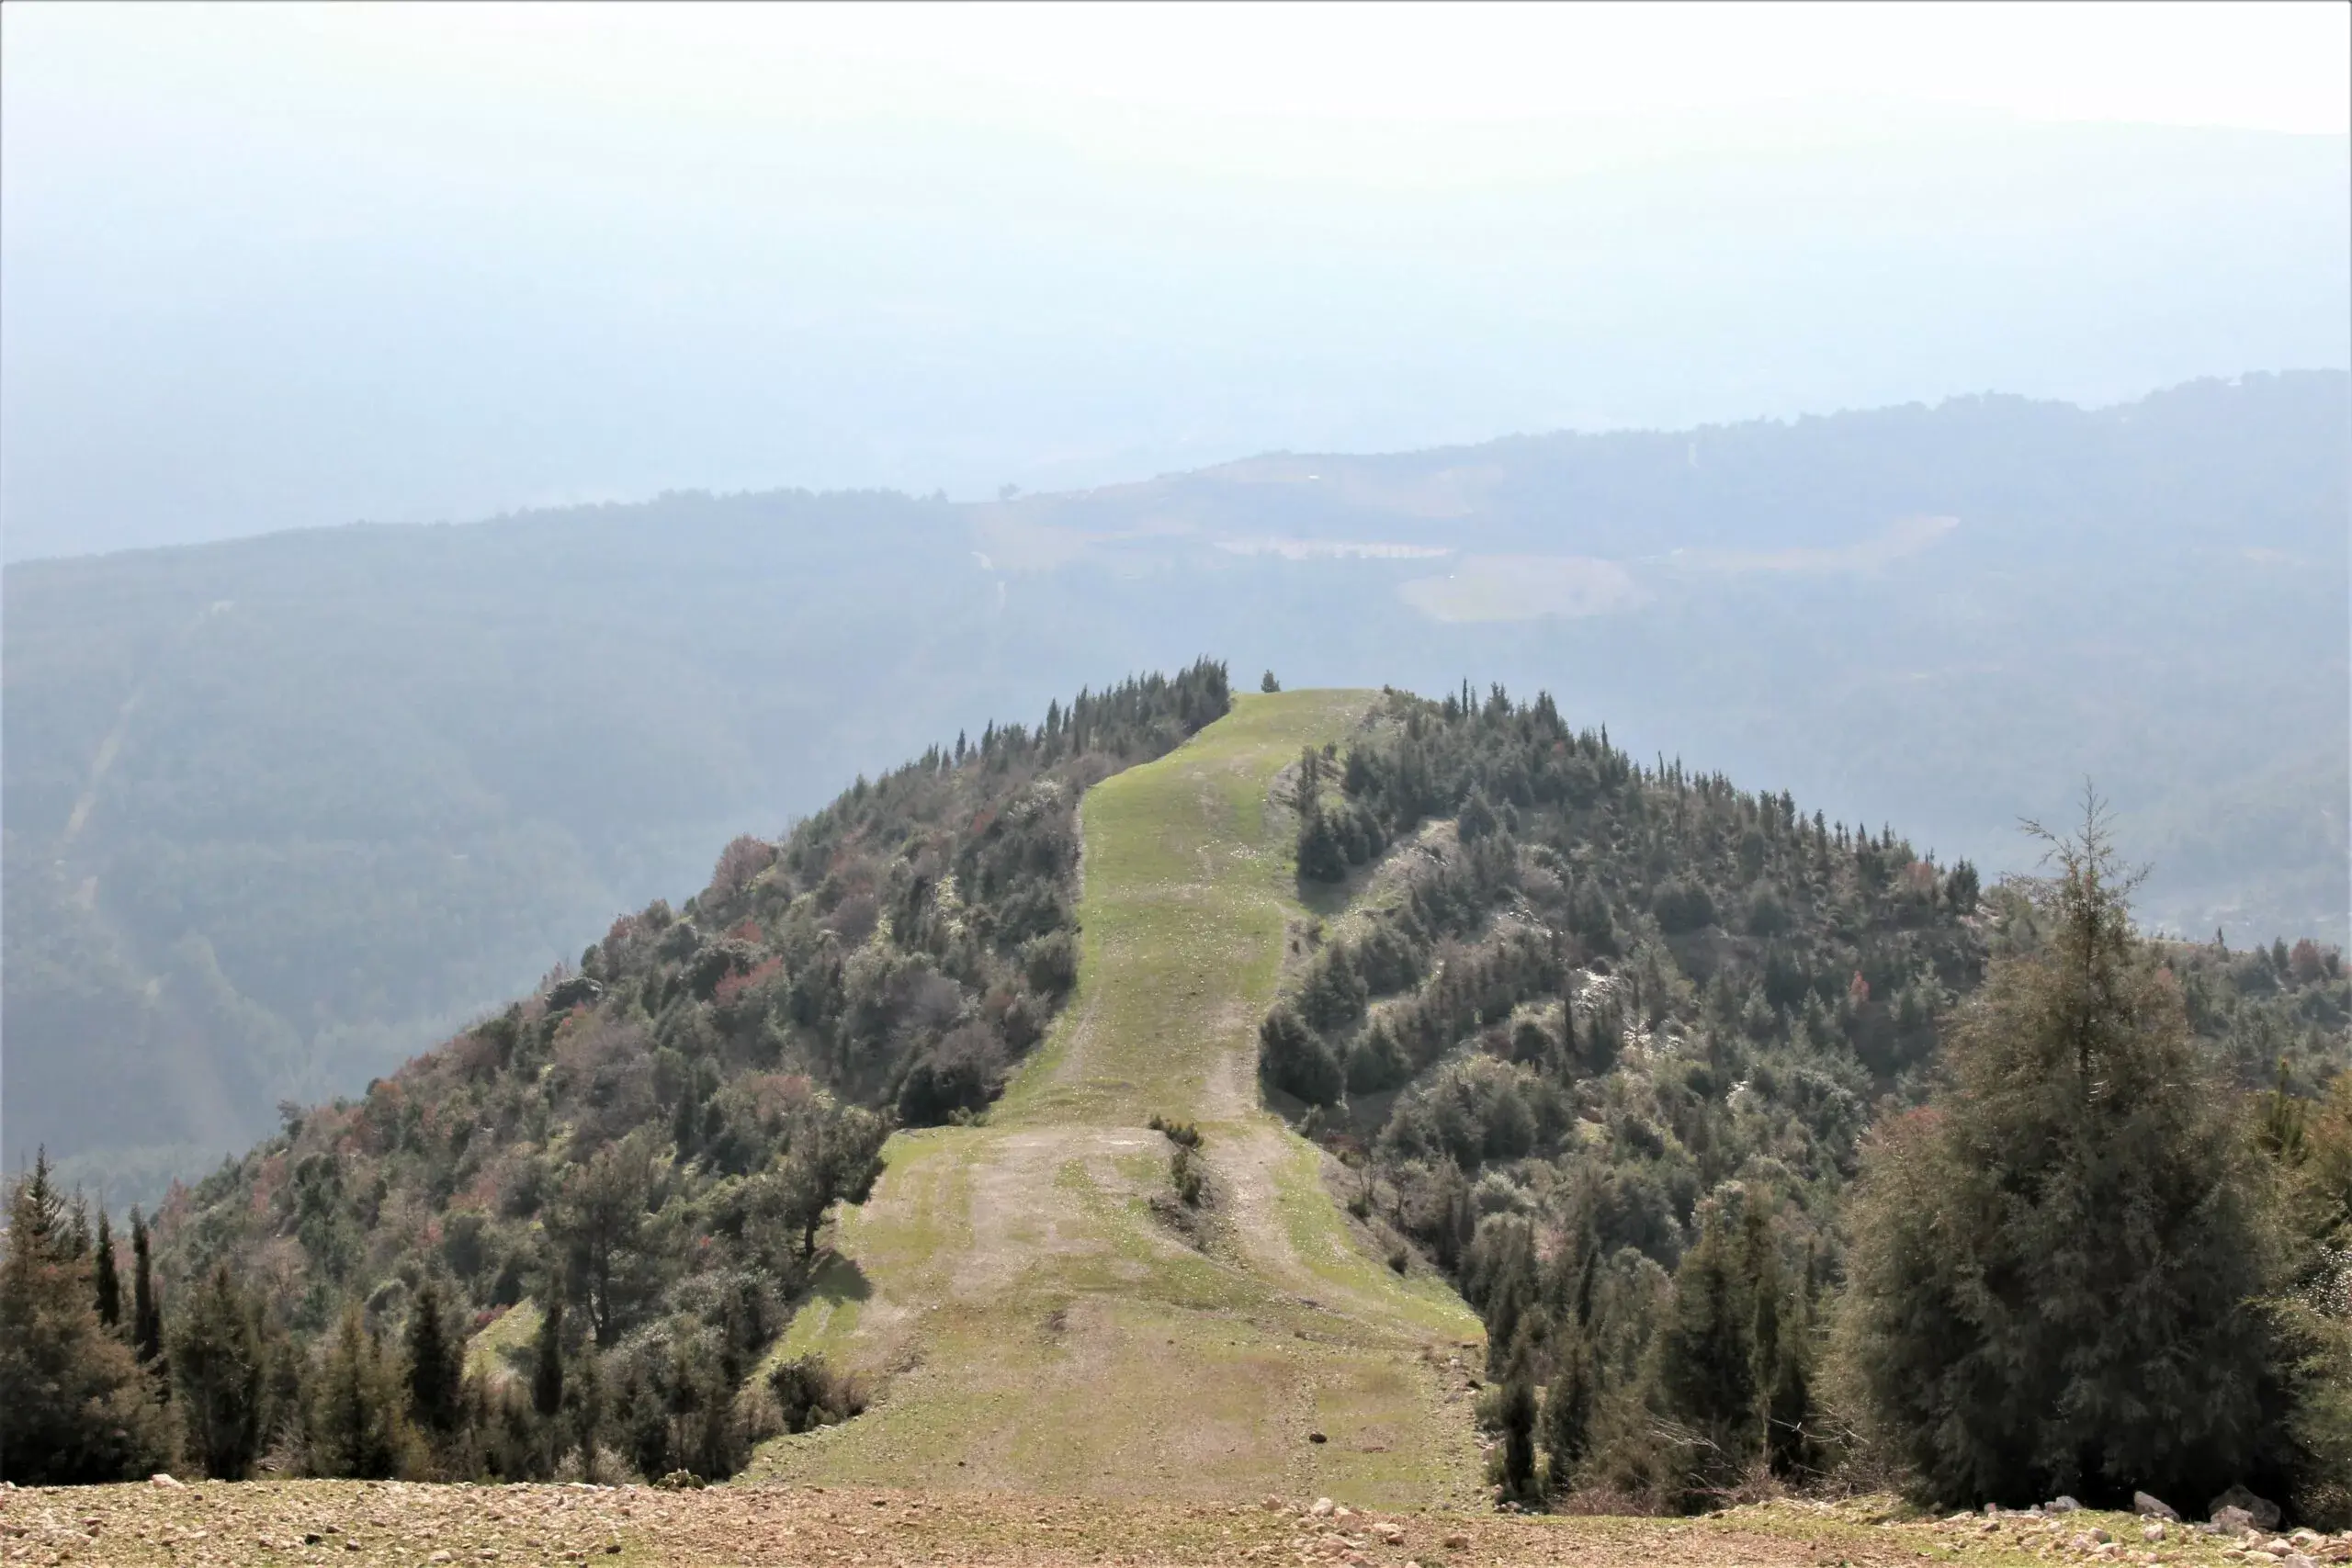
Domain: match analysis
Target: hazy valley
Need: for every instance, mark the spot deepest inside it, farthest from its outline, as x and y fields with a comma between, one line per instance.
x=283, y=810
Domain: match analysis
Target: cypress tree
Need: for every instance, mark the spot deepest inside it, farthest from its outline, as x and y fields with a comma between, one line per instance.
x=146, y=1311
x=1517, y=1414
x=546, y=1368
x=109, y=1282
x=436, y=1364
x=2056, y=1266
x=1568, y=1403
x=1784, y=1356
x=1789, y=1446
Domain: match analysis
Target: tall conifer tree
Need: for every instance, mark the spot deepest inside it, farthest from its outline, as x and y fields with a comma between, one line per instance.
x=546, y=1369
x=217, y=1367
x=436, y=1364
x=146, y=1311
x=74, y=1406
x=2056, y=1266
x=109, y=1282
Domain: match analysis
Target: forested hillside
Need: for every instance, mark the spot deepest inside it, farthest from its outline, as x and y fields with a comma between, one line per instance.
x=1606, y=1042
x=647, y=1149
x=279, y=812
x=1663, y=1074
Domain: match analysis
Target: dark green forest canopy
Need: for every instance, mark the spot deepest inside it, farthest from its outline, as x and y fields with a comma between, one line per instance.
x=1602, y=1042
x=656, y=1136
x=282, y=812
x=1565, y=951
x=1607, y=1043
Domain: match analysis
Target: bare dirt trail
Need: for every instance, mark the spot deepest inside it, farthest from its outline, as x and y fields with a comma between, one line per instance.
x=1021, y=1295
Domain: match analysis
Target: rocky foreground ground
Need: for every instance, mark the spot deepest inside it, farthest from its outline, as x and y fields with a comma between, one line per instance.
x=392, y=1523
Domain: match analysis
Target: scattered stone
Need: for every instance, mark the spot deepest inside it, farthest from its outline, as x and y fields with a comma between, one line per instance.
x=2153, y=1532
x=166, y=1483
x=1323, y=1508
x=1316, y=1438
x=2149, y=1507
x=2231, y=1520
x=1456, y=1542
x=2264, y=1512
x=2061, y=1505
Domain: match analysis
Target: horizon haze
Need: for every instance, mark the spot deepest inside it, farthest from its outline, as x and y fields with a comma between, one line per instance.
x=280, y=267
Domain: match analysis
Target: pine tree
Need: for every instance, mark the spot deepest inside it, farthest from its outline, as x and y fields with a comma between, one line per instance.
x=1321, y=857
x=109, y=1282
x=2054, y=1266
x=358, y=1425
x=1295, y=1059
x=1706, y=1368
x=218, y=1371
x=74, y=1406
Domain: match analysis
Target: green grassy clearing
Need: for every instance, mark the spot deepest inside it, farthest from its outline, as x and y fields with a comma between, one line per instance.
x=1029, y=1319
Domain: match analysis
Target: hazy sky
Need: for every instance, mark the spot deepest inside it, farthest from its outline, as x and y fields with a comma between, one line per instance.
x=277, y=265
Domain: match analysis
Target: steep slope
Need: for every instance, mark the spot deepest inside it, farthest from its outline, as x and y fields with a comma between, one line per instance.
x=1036, y=1321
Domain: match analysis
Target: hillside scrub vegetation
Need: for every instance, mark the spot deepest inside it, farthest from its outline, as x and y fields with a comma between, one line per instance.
x=1610, y=1043
x=1771, y=1152
x=563, y=1243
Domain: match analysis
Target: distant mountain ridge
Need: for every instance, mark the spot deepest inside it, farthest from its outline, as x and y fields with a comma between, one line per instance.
x=281, y=811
